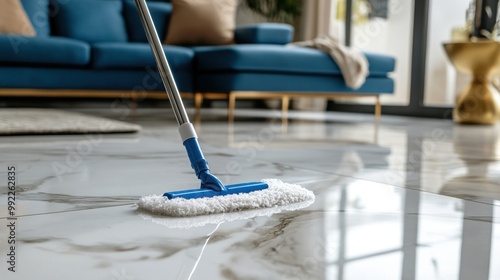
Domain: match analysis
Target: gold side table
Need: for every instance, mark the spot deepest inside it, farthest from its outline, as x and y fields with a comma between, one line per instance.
x=479, y=102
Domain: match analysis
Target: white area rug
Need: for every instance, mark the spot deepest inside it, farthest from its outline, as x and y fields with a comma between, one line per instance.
x=14, y=121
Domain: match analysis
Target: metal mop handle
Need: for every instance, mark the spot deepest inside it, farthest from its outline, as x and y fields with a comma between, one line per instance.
x=209, y=183
x=161, y=61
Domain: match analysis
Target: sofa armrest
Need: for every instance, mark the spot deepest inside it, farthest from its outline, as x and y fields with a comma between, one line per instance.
x=264, y=33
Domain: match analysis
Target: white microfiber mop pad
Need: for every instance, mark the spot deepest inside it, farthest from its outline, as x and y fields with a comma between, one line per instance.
x=278, y=194
x=201, y=221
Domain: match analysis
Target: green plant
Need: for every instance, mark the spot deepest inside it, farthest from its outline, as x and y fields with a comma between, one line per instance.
x=276, y=10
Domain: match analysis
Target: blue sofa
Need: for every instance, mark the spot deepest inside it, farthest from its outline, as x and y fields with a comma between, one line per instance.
x=99, y=48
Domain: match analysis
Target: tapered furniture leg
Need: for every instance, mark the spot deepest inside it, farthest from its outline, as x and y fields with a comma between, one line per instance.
x=479, y=102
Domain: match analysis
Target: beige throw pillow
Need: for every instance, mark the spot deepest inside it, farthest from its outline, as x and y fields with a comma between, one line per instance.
x=202, y=22
x=13, y=19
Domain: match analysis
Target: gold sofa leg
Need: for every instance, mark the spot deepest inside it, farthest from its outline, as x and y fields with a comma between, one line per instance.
x=231, y=106
x=378, y=107
x=285, y=104
x=198, y=102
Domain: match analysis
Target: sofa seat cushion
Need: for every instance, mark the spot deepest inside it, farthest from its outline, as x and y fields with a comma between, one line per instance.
x=279, y=59
x=43, y=51
x=137, y=80
x=285, y=82
x=138, y=55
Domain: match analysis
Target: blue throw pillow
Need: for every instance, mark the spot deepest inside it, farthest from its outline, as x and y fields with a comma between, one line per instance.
x=90, y=20
x=38, y=13
x=160, y=12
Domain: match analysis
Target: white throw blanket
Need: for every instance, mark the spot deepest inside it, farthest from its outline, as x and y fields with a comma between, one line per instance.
x=352, y=63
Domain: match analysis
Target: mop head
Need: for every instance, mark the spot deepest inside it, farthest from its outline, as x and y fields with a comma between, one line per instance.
x=278, y=194
x=215, y=219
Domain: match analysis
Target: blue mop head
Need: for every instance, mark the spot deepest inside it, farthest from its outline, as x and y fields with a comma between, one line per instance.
x=277, y=194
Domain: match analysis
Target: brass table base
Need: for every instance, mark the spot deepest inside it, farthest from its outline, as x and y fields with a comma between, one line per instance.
x=479, y=102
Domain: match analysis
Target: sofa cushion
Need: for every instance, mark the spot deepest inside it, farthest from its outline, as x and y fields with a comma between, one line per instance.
x=38, y=13
x=264, y=33
x=160, y=12
x=138, y=55
x=274, y=58
x=44, y=51
x=279, y=82
x=66, y=78
x=13, y=19
x=207, y=22
x=91, y=20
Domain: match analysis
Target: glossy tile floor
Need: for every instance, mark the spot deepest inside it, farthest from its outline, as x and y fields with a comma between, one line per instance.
x=401, y=199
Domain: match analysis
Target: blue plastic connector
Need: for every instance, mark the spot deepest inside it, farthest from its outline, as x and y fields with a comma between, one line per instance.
x=200, y=166
x=210, y=185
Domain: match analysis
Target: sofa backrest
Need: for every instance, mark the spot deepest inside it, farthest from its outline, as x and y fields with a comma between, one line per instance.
x=160, y=12
x=90, y=20
x=38, y=13
x=95, y=21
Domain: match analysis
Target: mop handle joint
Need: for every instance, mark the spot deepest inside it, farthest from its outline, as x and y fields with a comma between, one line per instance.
x=200, y=166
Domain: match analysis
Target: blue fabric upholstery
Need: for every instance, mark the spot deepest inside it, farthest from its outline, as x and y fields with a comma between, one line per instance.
x=71, y=78
x=274, y=58
x=138, y=55
x=160, y=12
x=91, y=20
x=102, y=46
x=226, y=82
x=46, y=51
x=264, y=33
x=38, y=13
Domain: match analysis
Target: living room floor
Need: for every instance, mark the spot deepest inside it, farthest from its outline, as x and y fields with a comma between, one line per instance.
x=399, y=199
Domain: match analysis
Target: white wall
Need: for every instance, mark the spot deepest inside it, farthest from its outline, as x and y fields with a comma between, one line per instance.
x=441, y=82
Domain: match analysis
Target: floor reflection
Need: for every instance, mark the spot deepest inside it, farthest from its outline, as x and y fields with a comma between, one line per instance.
x=408, y=234
x=420, y=201
x=480, y=154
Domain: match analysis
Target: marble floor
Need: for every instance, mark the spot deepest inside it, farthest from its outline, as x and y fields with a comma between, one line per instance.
x=400, y=199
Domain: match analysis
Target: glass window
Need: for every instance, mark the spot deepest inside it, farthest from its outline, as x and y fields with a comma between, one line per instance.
x=385, y=27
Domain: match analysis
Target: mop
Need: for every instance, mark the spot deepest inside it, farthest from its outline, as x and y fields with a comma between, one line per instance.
x=213, y=196
x=215, y=219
